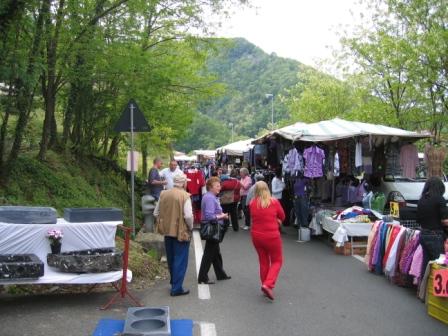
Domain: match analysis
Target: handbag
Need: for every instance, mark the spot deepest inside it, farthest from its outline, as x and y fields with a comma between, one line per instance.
x=226, y=197
x=212, y=230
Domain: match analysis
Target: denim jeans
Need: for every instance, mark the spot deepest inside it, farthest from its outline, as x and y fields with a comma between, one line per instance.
x=301, y=209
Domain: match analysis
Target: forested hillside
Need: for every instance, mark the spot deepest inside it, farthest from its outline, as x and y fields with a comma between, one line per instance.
x=248, y=74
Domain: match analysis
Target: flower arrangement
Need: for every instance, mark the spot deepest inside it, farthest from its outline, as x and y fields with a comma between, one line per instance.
x=55, y=236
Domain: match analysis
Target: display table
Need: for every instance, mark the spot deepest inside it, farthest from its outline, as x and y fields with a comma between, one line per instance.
x=345, y=231
x=31, y=238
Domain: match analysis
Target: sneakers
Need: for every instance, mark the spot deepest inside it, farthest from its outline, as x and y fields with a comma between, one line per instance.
x=245, y=227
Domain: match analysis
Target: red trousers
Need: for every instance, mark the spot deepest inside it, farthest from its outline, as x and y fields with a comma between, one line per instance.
x=270, y=256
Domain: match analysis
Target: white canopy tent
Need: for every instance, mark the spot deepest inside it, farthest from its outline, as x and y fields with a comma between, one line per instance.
x=236, y=148
x=205, y=152
x=335, y=129
x=185, y=158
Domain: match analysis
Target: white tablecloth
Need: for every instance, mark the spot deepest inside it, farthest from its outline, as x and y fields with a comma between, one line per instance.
x=31, y=238
x=342, y=230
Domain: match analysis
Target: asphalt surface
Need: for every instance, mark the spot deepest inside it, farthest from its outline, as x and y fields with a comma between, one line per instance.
x=318, y=293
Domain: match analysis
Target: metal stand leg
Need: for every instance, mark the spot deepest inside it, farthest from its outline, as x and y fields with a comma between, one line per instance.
x=123, y=291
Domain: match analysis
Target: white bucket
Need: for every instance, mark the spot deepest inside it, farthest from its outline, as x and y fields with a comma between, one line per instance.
x=304, y=234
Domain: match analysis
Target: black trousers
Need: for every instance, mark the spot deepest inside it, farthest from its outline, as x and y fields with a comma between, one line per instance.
x=231, y=209
x=432, y=245
x=212, y=256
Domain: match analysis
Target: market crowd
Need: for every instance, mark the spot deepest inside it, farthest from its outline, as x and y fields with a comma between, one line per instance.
x=190, y=196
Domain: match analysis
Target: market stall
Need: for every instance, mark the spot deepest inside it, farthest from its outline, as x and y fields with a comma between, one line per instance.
x=332, y=162
x=233, y=153
x=205, y=156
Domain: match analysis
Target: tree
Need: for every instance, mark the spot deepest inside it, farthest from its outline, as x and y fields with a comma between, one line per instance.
x=82, y=61
x=403, y=58
x=319, y=97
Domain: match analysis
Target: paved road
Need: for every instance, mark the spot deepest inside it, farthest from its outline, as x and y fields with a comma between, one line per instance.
x=318, y=293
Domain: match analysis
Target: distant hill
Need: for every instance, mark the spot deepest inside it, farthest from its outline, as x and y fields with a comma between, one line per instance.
x=248, y=74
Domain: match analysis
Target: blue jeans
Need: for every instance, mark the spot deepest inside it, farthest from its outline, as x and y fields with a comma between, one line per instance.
x=177, y=259
x=301, y=210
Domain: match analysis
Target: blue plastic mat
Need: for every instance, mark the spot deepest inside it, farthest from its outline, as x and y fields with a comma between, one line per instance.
x=110, y=327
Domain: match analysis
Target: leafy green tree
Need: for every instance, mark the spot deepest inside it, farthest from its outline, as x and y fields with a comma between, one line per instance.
x=402, y=58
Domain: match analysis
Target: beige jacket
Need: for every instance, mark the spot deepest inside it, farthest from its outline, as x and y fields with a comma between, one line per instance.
x=170, y=214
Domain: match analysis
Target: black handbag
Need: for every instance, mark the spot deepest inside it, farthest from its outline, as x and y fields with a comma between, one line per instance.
x=212, y=230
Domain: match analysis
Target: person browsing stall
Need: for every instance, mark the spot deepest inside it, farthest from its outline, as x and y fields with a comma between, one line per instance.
x=230, y=196
x=432, y=215
x=174, y=220
x=211, y=210
x=155, y=182
x=168, y=173
x=245, y=183
x=267, y=215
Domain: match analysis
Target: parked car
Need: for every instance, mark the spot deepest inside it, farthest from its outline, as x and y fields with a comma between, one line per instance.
x=406, y=192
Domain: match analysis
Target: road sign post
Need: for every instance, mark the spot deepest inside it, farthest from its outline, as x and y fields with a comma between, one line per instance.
x=132, y=120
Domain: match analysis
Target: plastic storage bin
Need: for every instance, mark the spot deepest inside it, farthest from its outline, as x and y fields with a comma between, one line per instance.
x=437, y=306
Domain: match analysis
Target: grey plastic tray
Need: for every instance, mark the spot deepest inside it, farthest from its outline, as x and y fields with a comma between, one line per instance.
x=79, y=215
x=147, y=321
x=28, y=215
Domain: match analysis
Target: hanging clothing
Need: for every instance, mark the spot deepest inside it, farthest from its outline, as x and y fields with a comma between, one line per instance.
x=195, y=182
x=409, y=160
x=337, y=166
x=343, y=159
x=314, y=159
x=416, y=265
x=435, y=158
x=393, y=167
x=358, y=154
x=294, y=161
x=379, y=161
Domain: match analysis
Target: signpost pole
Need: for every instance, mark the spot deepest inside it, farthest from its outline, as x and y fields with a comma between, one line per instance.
x=132, y=120
x=132, y=170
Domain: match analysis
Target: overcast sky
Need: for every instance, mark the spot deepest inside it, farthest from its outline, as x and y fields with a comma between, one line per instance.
x=299, y=29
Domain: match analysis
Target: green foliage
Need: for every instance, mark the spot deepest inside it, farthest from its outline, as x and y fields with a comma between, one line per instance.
x=205, y=133
x=401, y=56
x=249, y=74
x=64, y=182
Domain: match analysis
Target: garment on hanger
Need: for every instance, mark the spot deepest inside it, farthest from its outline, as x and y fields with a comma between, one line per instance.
x=409, y=160
x=393, y=167
x=436, y=157
x=379, y=161
x=314, y=159
x=358, y=154
x=343, y=158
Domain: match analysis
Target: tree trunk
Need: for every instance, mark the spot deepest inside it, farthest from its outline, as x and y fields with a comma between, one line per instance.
x=144, y=149
x=113, y=149
x=49, y=89
x=4, y=128
x=25, y=86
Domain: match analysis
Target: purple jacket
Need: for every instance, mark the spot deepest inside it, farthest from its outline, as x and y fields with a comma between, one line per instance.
x=210, y=206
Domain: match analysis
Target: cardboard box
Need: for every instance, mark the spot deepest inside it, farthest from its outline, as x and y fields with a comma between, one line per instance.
x=346, y=249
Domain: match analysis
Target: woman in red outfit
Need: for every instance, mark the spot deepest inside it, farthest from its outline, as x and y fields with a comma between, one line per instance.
x=267, y=215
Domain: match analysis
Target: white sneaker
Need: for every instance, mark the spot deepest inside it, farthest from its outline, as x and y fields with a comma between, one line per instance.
x=246, y=227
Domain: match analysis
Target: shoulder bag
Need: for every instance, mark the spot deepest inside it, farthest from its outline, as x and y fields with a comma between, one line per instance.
x=212, y=230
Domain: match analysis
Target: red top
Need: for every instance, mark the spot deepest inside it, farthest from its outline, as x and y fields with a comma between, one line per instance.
x=232, y=184
x=265, y=220
x=197, y=181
